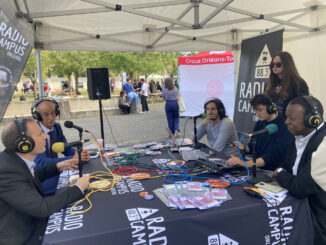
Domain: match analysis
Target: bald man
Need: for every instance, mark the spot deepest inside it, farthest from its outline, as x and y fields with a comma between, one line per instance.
x=45, y=112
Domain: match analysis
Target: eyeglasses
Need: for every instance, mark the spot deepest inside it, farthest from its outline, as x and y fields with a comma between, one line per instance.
x=278, y=64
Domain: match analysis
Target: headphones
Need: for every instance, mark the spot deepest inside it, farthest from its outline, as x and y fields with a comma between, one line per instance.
x=271, y=107
x=219, y=105
x=312, y=118
x=23, y=143
x=36, y=115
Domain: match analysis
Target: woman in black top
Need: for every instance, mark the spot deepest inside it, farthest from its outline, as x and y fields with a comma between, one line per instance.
x=284, y=83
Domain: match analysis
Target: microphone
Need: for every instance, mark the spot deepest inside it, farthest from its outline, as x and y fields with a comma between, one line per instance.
x=270, y=129
x=60, y=146
x=70, y=124
x=201, y=115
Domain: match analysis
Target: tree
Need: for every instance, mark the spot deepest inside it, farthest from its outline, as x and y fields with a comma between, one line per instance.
x=30, y=68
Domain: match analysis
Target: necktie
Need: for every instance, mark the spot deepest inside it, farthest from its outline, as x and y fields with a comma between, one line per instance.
x=52, y=141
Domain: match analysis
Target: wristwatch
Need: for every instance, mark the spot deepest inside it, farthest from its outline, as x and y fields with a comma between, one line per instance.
x=279, y=170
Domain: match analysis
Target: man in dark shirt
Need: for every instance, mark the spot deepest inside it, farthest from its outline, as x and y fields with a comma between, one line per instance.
x=304, y=119
x=270, y=149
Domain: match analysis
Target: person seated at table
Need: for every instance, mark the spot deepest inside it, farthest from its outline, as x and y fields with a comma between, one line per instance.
x=45, y=112
x=123, y=104
x=129, y=89
x=304, y=119
x=219, y=129
x=24, y=208
x=270, y=148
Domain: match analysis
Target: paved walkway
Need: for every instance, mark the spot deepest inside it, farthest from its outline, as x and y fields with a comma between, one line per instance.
x=127, y=129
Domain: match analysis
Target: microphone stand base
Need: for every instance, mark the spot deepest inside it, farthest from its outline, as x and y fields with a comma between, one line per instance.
x=198, y=145
x=108, y=148
x=260, y=178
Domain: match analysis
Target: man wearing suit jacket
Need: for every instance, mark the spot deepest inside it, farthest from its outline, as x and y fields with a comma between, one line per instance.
x=24, y=209
x=45, y=112
x=304, y=119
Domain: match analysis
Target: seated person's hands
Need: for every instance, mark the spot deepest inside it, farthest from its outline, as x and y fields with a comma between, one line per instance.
x=83, y=182
x=208, y=119
x=234, y=161
x=236, y=143
x=85, y=156
x=70, y=164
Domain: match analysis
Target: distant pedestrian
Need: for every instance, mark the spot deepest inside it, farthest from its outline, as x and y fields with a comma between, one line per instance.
x=144, y=94
x=170, y=95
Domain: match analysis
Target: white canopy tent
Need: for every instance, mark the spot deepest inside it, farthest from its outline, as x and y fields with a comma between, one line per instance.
x=179, y=25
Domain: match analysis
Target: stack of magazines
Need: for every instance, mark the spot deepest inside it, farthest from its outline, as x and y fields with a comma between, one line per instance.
x=191, y=195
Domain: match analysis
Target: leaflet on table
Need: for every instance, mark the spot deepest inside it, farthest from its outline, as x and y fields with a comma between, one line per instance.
x=160, y=194
x=192, y=195
x=204, y=201
x=274, y=198
x=183, y=190
x=220, y=194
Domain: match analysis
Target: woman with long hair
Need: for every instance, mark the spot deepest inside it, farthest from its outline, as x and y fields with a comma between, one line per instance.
x=284, y=83
x=170, y=95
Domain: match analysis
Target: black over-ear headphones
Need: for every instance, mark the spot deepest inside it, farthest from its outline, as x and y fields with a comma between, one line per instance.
x=312, y=118
x=219, y=105
x=23, y=143
x=271, y=107
x=36, y=115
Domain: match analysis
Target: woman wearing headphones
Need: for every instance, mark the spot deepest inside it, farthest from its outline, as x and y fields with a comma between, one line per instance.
x=220, y=130
x=285, y=83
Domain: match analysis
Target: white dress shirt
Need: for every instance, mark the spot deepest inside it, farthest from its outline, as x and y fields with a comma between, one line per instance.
x=301, y=143
x=29, y=164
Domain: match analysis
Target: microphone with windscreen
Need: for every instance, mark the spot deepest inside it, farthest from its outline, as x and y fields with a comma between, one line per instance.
x=270, y=129
x=60, y=146
x=70, y=124
x=201, y=115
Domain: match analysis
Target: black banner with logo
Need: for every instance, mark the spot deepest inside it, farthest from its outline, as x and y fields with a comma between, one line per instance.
x=256, y=56
x=14, y=53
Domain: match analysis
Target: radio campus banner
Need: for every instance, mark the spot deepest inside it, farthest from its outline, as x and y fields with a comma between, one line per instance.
x=256, y=56
x=14, y=53
x=206, y=75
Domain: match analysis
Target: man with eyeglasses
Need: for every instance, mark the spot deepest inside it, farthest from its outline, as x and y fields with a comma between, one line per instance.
x=270, y=149
x=45, y=112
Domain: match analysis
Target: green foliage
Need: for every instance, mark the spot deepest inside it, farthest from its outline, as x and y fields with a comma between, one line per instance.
x=74, y=63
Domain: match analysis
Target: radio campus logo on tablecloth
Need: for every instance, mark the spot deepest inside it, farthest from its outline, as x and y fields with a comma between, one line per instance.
x=126, y=186
x=65, y=220
x=12, y=41
x=280, y=223
x=220, y=239
x=146, y=226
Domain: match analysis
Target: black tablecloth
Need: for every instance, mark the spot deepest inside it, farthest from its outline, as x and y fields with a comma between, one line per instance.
x=121, y=216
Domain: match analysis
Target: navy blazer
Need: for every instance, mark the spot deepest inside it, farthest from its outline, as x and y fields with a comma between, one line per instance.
x=44, y=159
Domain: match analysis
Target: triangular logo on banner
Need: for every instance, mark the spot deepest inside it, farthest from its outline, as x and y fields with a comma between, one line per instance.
x=224, y=240
x=265, y=57
x=145, y=212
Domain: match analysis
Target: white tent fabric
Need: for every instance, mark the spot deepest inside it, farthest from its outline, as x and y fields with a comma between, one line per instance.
x=179, y=25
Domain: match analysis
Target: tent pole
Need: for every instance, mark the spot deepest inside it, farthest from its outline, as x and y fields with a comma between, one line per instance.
x=39, y=72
